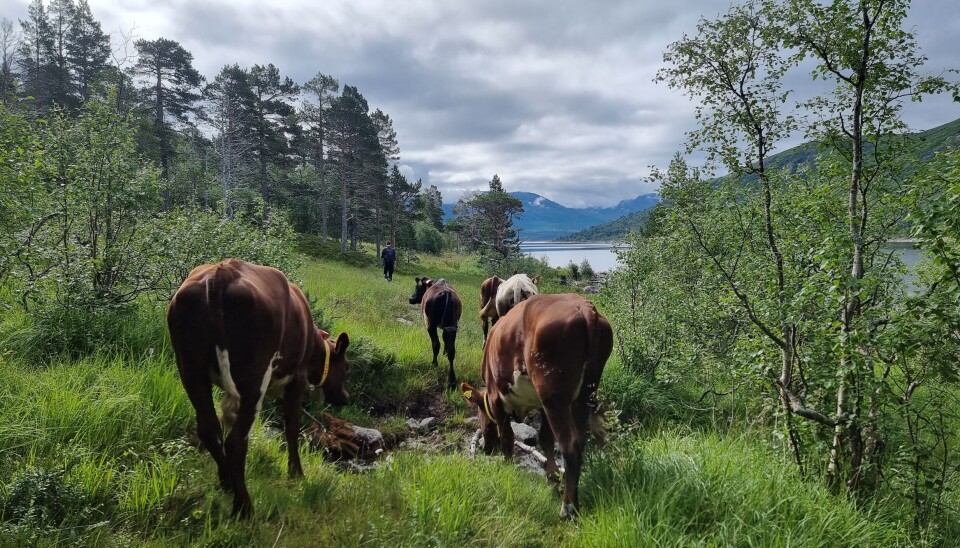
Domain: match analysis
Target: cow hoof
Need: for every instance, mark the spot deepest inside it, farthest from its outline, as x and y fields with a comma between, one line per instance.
x=242, y=512
x=568, y=511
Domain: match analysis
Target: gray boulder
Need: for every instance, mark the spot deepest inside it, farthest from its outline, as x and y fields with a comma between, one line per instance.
x=524, y=432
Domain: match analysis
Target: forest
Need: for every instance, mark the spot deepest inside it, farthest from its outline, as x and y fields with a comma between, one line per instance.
x=776, y=378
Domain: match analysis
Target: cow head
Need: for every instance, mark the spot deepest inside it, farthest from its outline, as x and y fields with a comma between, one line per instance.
x=330, y=356
x=491, y=438
x=420, y=289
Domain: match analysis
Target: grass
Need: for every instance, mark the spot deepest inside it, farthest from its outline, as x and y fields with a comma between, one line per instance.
x=102, y=451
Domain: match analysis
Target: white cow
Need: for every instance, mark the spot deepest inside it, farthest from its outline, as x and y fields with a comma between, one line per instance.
x=514, y=290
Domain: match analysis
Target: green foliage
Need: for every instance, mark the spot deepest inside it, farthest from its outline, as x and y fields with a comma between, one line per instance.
x=427, y=238
x=119, y=434
x=42, y=499
x=330, y=251
x=485, y=222
x=586, y=271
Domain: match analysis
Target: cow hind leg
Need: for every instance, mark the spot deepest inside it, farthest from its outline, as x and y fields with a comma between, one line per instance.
x=199, y=390
x=571, y=445
x=292, y=399
x=546, y=440
x=435, y=343
x=450, y=348
x=236, y=449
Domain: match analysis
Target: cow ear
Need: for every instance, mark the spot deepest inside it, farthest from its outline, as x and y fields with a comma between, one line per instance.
x=536, y=279
x=418, y=280
x=470, y=393
x=343, y=341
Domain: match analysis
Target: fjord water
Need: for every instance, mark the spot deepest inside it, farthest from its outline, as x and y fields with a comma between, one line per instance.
x=602, y=256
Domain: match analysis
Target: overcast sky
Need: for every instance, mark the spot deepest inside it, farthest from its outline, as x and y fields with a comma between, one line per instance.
x=555, y=96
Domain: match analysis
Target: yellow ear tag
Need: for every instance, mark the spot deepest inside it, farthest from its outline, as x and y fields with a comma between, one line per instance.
x=468, y=394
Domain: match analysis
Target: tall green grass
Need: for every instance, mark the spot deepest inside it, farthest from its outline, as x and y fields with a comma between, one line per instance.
x=394, y=361
x=102, y=451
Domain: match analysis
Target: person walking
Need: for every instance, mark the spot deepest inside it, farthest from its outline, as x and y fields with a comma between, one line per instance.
x=389, y=256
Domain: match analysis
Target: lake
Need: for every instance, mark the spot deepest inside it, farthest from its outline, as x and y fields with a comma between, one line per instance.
x=602, y=257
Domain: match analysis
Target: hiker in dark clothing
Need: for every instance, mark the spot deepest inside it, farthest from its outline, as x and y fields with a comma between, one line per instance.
x=389, y=256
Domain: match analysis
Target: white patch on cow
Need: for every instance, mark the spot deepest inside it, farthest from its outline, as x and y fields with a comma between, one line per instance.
x=511, y=292
x=231, y=396
x=264, y=385
x=277, y=384
x=521, y=398
x=576, y=393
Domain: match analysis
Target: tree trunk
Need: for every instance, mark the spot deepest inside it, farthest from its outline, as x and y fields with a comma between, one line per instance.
x=343, y=209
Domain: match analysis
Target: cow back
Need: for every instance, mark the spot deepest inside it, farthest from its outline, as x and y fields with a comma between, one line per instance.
x=559, y=341
x=441, y=306
x=512, y=291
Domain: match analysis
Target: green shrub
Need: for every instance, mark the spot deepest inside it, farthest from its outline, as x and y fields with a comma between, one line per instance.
x=44, y=499
x=314, y=246
x=427, y=238
x=586, y=271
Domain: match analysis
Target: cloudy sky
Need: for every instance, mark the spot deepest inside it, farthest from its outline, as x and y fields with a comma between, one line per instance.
x=555, y=96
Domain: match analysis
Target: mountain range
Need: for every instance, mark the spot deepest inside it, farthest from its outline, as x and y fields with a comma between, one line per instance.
x=544, y=219
x=924, y=145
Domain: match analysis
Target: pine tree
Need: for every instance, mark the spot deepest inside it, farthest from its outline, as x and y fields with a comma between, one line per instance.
x=231, y=113
x=60, y=15
x=400, y=197
x=487, y=221
x=36, y=56
x=88, y=49
x=316, y=115
x=170, y=92
x=273, y=104
x=354, y=139
x=8, y=71
x=389, y=152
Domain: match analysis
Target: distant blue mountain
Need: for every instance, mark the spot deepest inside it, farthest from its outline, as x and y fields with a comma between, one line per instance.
x=545, y=219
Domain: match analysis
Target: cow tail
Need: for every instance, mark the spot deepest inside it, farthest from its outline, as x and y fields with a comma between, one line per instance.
x=216, y=286
x=444, y=319
x=595, y=421
x=487, y=309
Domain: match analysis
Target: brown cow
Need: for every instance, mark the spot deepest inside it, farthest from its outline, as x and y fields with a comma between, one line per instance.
x=488, y=303
x=246, y=329
x=548, y=353
x=441, y=308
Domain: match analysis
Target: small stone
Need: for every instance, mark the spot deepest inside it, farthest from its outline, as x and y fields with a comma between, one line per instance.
x=369, y=436
x=413, y=424
x=524, y=432
x=428, y=424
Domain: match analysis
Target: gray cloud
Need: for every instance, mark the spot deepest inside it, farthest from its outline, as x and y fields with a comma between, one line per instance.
x=554, y=96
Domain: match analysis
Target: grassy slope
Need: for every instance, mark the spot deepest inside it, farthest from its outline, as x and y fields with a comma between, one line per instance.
x=122, y=430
